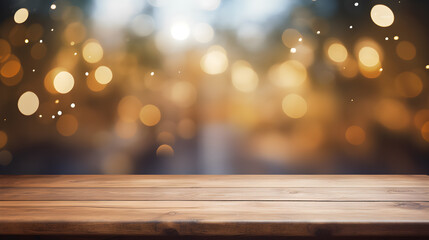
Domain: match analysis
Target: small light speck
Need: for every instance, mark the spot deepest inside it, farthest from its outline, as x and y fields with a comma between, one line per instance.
x=53, y=6
x=356, y=4
x=26, y=40
x=72, y=43
x=59, y=113
x=86, y=73
x=396, y=38
x=350, y=26
x=427, y=66
x=52, y=29
x=381, y=69
x=152, y=73
x=351, y=100
x=386, y=38
x=293, y=50
x=72, y=105
x=75, y=53
x=57, y=101
x=41, y=41
x=40, y=116
x=318, y=32
x=34, y=70
x=53, y=116
x=299, y=39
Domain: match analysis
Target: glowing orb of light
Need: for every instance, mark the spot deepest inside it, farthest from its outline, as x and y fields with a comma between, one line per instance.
x=180, y=31
x=103, y=75
x=21, y=15
x=92, y=51
x=214, y=61
x=382, y=16
x=355, y=135
x=369, y=57
x=244, y=78
x=337, y=52
x=150, y=115
x=294, y=106
x=165, y=151
x=63, y=82
x=67, y=125
x=28, y=103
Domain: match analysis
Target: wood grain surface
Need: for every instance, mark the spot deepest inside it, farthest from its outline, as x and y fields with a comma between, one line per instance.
x=213, y=205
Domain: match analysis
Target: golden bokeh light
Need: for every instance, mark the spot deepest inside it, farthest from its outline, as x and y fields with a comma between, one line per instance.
x=421, y=117
x=183, y=94
x=150, y=115
x=369, y=57
x=28, y=103
x=3, y=139
x=406, y=50
x=288, y=74
x=408, y=84
x=129, y=109
x=392, y=114
x=244, y=78
x=294, y=106
x=349, y=68
x=337, y=52
x=425, y=131
x=63, y=82
x=21, y=15
x=355, y=135
x=291, y=37
x=92, y=84
x=10, y=68
x=103, y=75
x=67, y=125
x=164, y=150
x=92, y=51
x=5, y=50
x=214, y=61
x=382, y=15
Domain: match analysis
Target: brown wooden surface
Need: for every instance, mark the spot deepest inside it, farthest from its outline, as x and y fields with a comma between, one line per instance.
x=212, y=205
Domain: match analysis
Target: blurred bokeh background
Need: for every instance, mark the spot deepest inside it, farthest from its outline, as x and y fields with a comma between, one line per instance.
x=214, y=87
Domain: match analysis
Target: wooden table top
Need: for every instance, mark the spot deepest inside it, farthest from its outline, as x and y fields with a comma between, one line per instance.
x=208, y=205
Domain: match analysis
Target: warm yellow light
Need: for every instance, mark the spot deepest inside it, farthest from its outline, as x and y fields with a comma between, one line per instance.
x=369, y=57
x=3, y=139
x=214, y=61
x=392, y=114
x=382, y=16
x=165, y=151
x=337, y=52
x=288, y=74
x=355, y=135
x=28, y=103
x=183, y=94
x=129, y=108
x=92, y=51
x=103, y=75
x=291, y=37
x=67, y=125
x=150, y=115
x=244, y=78
x=408, y=84
x=63, y=82
x=21, y=15
x=10, y=68
x=294, y=106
